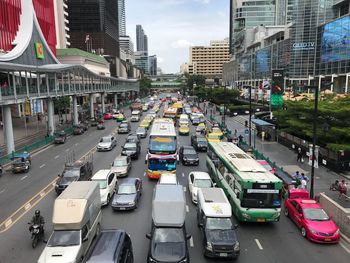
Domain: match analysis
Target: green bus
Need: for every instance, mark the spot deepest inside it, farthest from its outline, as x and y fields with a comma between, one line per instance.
x=254, y=192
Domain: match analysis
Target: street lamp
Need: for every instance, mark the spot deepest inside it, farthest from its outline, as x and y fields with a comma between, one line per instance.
x=250, y=115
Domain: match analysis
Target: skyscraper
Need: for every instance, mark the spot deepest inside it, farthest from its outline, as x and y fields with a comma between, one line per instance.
x=62, y=23
x=121, y=17
x=152, y=61
x=140, y=38
x=145, y=43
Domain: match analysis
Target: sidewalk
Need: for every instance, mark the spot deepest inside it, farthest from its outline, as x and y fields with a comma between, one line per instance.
x=287, y=159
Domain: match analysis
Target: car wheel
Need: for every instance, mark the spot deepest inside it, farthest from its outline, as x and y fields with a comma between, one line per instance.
x=303, y=232
x=286, y=212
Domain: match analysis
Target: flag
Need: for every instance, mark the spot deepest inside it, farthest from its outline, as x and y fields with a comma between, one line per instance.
x=87, y=38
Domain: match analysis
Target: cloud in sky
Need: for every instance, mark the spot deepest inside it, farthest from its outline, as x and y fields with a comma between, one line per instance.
x=173, y=26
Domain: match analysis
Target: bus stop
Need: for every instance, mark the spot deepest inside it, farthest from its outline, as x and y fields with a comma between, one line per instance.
x=265, y=130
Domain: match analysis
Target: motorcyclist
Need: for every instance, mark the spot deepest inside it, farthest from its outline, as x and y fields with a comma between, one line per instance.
x=37, y=219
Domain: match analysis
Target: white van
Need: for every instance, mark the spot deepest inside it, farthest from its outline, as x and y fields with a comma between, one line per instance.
x=107, y=181
x=135, y=115
x=183, y=120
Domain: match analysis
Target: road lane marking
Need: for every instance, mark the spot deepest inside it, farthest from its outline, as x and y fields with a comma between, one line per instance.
x=187, y=209
x=41, y=166
x=144, y=174
x=8, y=222
x=191, y=242
x=42, y=150
x=343, y=246
x=258, y=244
x=3, y=190
x=183, y=175
x=27, y=206
x=24, y=177
x=57, y=156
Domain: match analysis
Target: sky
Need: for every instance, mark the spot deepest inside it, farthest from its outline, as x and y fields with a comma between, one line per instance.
x=172, y=26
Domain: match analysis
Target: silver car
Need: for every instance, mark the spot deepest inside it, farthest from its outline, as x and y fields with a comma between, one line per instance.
x=142, y=132
x=121, y=166
x=107, y=143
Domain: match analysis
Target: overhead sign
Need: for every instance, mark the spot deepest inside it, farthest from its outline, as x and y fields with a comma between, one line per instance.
x=303, y=45
x=39, y=50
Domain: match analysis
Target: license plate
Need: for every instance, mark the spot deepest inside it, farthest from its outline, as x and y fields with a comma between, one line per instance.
x=327, y=239
x=223, y=254
x=122, y=208
x=260, y=220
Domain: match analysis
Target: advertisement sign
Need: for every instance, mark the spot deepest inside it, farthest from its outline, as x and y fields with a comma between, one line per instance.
x=27, y=108
x=36, y=106
x=277, y=87
x=316, y=155
x=39, y=50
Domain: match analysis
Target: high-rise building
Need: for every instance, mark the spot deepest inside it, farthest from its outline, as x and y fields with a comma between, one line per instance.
x=141, y=61
x=62, y=23
x=94, y=27
x=209, y=60
x=145, y=43
x=141, y=39
x=121, y=16
x=152, y=60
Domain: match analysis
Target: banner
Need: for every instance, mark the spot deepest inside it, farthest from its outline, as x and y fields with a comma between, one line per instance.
x=27, y=108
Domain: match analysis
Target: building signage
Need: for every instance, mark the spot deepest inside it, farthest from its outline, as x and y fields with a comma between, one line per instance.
x=303, y=45
x=39, y=49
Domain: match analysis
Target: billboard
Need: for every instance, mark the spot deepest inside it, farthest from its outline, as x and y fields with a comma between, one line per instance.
x=277, y=87
x=262, y=60
x=335, y=40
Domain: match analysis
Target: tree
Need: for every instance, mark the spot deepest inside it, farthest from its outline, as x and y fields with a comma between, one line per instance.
x=199, y=80
x=61, y=104
x=145, y=86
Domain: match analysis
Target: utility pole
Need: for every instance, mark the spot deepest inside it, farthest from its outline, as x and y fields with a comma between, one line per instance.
x=250, y=115
x=314, y=140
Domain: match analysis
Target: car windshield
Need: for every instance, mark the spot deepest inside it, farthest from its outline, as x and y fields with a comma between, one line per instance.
x=315, y=214
x=126, y=189
x=130, y=146
x=120, y=163
x=106, y=139
x=202, y=183
x=201, y=140
x=218, y=223
x=64, y=239
x=140, y=130
x=189, y=151
x=123, y=125
x=213, y=136
x=132, y=138
x=71, y=173
x=164, y=144
x=261, y=200
x=162, y=164
x=102, y=183
x=168, y=235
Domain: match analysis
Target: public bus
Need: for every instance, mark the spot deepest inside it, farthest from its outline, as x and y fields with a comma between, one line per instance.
x=162, y=149
x=254, y=192
x=170, y=113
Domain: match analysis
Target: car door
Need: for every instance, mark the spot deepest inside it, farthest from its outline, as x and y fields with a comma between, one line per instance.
x=190, y=182
x=111, y=183
x=298, y=216
x=138, y=190
x=128, y=160
x=293, y=210
x=113, y=142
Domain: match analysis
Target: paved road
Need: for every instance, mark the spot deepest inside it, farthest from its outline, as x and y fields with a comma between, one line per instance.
x=278, y=242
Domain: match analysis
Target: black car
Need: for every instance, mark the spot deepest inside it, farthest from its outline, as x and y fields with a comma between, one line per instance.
x=128, y=194
x=168, y=244
x=133, y=137
x=124, y=128
x=200, y=143
x=131, y=149
x=188, y=155
x=101, y=126
x=112, y=246
x=60, y=137
x=78, y=129
x=20, y=165
x=142, y=132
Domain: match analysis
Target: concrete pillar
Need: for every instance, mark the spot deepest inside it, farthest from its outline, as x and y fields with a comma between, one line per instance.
x=103, y=103
x=116, y=100
x=91, y=101
x=50, y=117
x=347, y=82
x=10, y=142
x=75, y=111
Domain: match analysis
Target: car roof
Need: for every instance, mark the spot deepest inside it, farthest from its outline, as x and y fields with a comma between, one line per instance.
x=129, y=181
x=200, y=175
x=308, y=203
x=121, y=157
x=101, y=174
x=187, y=147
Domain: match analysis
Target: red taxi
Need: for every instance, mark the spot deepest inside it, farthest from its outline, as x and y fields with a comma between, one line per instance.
x=312, y=220
x=107, y=116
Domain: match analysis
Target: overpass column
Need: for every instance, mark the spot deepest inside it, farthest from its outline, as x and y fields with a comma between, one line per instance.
x=91, y=101
x=103, y=103
x=10, y=142
x=50, y=117
x=75, y=111
x=116, y=100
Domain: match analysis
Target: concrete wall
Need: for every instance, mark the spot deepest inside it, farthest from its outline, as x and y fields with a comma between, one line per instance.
x=341, y=215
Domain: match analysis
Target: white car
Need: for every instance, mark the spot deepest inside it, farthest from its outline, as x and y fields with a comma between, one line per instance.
x=167, y=179
x=197, y=180
x=107, y=181
x=107, y=143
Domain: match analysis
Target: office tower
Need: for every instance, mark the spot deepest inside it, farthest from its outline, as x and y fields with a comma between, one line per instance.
x=121, y=16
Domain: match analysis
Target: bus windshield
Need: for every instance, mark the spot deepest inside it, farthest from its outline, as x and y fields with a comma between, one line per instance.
x=162, y=144
x=260, y=200
x=162, y=164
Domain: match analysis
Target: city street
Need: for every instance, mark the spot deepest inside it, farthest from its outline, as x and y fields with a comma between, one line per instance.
x=277, y=242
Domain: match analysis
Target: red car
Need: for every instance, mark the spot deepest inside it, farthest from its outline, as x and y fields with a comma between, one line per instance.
x=267, y=166
x=313, y=221
x=107, y=116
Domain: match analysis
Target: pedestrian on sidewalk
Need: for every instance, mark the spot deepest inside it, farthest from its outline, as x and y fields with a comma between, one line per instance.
x=304, y=181
x=300, y=155
x=343, y=190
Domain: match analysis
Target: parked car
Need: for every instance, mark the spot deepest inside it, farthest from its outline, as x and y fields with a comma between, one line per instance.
x=200, y=143
x=131, y=149
x=124, y=128
x=142, y=132
x=188, y=155
x=106, y=143
x=78, y=129
x=112, y=246
x=312, y=220
x=60, y=137
x=107, y=181
x=107, y=116
x=128, y=194
x=196, y=180
x=121, y=166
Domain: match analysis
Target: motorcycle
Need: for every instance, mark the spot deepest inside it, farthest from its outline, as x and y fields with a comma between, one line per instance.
x=36, y=233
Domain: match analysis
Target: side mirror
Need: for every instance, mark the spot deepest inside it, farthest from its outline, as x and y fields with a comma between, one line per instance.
x=235, y=226
x=214, y=184
x=85, y=239
x=188, y=237
x=148, y=236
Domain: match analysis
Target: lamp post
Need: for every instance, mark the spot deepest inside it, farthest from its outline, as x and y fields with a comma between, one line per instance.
x=250, y=115
x=314, y=139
